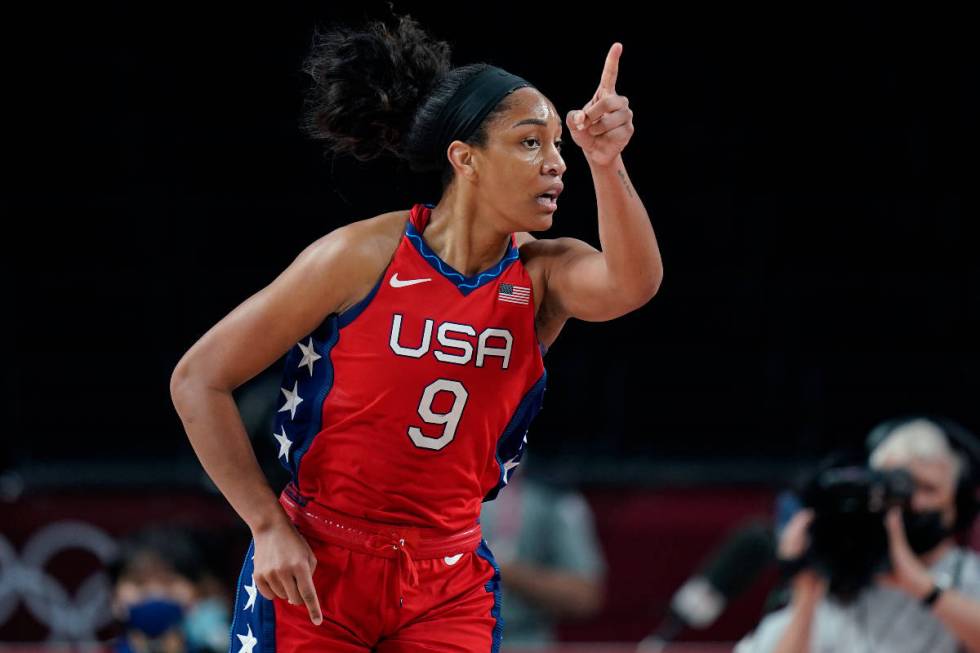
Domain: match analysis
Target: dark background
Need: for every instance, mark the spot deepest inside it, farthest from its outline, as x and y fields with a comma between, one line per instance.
x=810, y=174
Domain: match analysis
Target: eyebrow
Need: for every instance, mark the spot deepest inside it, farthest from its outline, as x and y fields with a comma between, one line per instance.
x=537, y=121
x=531, y=121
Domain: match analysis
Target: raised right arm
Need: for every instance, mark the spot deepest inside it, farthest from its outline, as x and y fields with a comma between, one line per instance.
x=809, y=588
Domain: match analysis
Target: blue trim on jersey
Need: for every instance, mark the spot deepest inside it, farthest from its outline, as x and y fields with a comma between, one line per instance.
x=465, y=284
x=493, y=585
x=260, y=619
x=308, y=422
x=302, y=428
x=511, y=445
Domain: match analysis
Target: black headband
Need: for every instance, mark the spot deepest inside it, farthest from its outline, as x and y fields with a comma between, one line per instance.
x=470, y=104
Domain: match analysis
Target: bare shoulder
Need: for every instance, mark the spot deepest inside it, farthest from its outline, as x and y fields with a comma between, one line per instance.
x=537, y=255
x=550, y=247
x=331, y=273
x=375, y=236
x=371, y=243
x=541, y=254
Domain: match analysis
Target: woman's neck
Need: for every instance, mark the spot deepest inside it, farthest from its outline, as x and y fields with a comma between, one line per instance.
x=463, y=237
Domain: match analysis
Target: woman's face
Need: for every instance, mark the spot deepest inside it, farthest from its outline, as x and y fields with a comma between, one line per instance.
x=935, y=484
x=522, y=160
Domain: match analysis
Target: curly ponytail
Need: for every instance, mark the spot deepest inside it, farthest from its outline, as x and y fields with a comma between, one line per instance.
x=380, y=90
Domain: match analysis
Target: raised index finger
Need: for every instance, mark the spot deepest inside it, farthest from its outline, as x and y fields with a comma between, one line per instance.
x=611, y=69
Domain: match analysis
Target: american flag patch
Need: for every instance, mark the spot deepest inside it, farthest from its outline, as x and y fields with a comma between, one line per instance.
x=508, y=292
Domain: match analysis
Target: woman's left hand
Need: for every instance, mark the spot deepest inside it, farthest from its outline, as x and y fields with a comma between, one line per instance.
x=606, y=120
x=908, y=573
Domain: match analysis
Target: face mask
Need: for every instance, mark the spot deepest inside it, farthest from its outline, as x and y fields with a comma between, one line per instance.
x=207, y=625
x=925, y=530
x=155, y=616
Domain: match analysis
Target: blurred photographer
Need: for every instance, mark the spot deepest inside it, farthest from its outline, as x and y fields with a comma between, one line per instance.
x=903, y=585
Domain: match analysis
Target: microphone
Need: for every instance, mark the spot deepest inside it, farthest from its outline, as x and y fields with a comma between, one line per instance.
x=729, y=570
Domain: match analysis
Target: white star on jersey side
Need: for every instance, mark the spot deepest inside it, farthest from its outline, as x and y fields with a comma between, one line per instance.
x=250, y=603
x=284, y=443
x=292, y=400
x=509, y=465
x=309, y=356
x=248, y=641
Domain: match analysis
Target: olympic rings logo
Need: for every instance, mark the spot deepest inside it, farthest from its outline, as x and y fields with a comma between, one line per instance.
x=24, y=578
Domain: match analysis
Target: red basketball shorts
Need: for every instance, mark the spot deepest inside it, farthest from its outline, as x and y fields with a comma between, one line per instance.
x=383, y=588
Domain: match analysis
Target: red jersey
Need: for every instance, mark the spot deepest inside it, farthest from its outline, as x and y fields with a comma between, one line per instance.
x=413, y=405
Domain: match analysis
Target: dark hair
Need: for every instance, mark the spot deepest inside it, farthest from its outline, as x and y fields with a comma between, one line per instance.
x=380, y=90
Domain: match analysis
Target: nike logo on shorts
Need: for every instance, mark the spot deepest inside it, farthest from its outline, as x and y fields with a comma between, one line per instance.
x=399, y=283
x=451, y=560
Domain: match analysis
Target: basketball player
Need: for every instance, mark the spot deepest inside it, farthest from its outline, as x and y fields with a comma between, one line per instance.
x=414, y=345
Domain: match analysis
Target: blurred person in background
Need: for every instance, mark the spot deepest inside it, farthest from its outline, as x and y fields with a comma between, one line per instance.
x=550, y=559
x=164, y=598
x=928, y=601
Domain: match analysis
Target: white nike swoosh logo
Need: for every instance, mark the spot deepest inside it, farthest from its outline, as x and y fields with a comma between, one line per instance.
x=451, y=560
x=398, y=283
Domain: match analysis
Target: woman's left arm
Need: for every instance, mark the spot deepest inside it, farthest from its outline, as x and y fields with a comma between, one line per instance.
x=957, y=611
x=598, y=285
x=961, y=615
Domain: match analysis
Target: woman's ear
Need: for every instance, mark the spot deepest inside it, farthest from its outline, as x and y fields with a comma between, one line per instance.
x=463, y=159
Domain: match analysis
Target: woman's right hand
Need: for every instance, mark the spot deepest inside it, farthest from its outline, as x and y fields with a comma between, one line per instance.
x=793, y=543
x=283, y=567
x=794, y=539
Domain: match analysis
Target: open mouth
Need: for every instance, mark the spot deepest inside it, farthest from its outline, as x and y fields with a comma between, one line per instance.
x=548, y=200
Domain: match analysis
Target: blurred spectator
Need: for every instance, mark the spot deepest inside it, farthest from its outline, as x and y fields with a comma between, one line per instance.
x=165, y=598
x=551, y=564
x=929, y=599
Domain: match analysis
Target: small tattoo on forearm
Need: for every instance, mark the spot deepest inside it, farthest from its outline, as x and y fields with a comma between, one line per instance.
x=622, y=175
